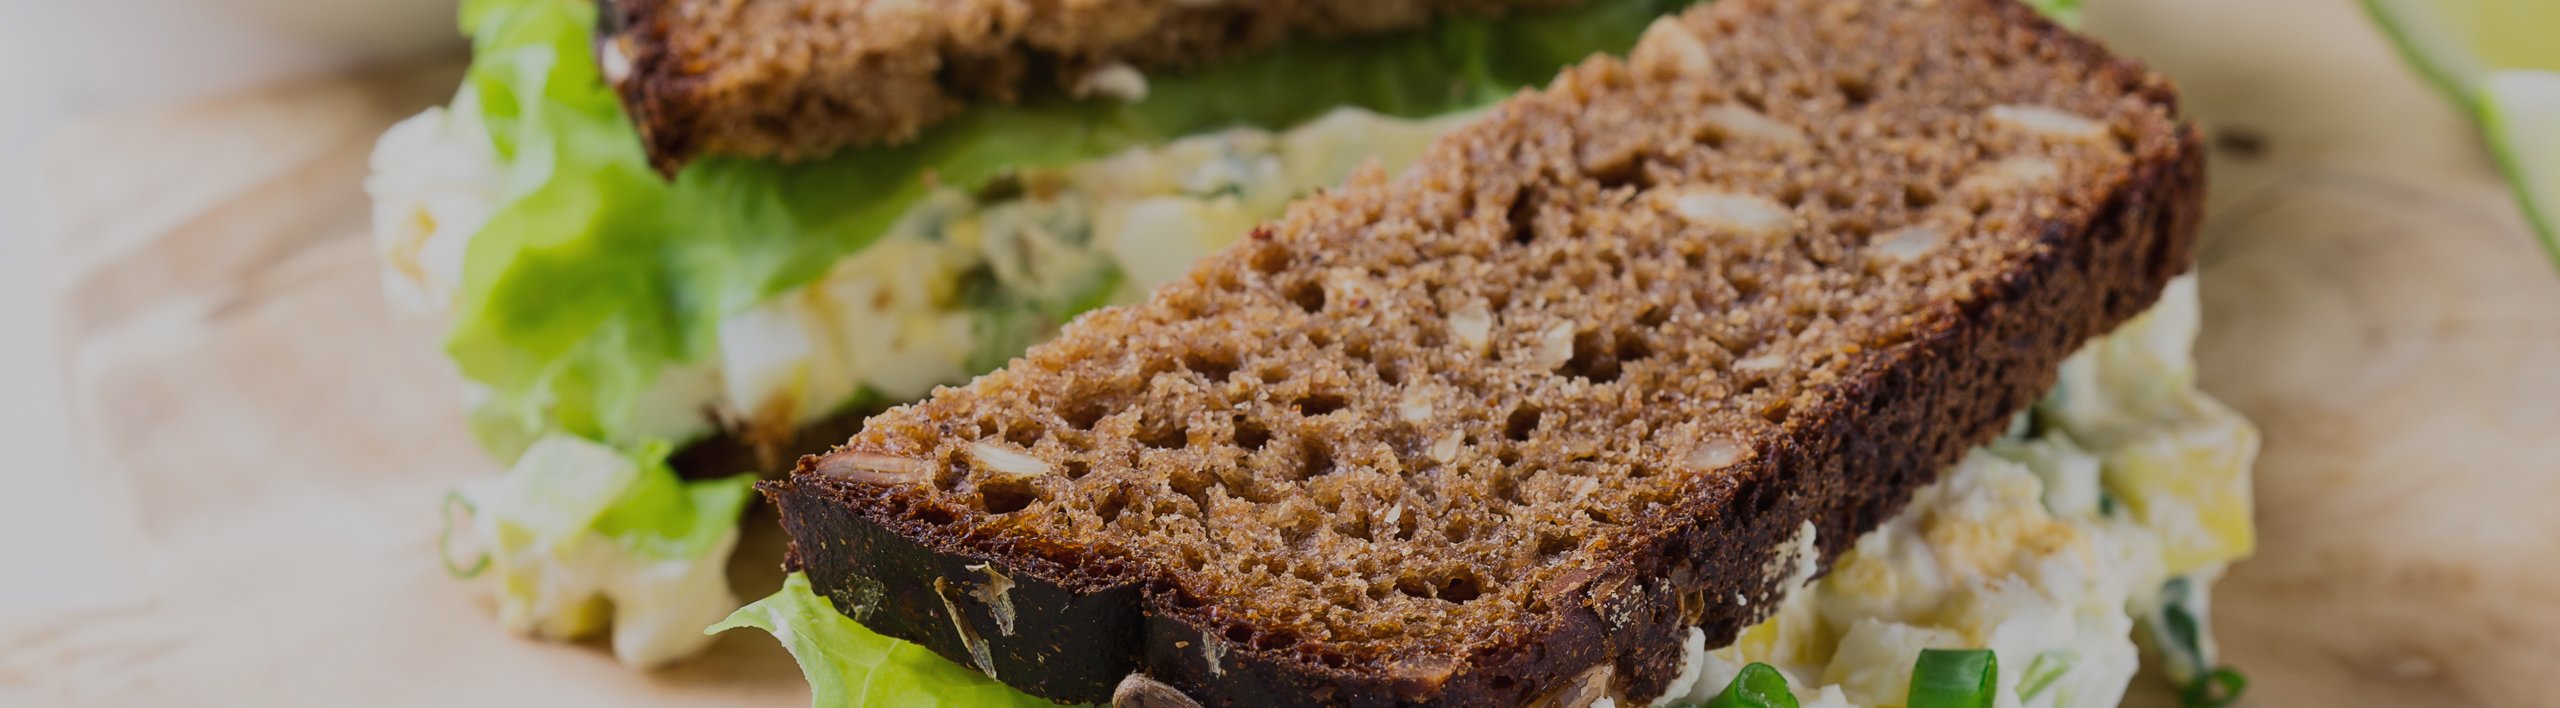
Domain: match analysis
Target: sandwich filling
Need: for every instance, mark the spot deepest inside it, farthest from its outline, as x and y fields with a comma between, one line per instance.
x=2088, y=533
x=603, y=316
x=2096, y=525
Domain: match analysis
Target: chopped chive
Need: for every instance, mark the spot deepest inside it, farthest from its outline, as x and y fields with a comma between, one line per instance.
x=444, y=538
x=2177, y=621
x=2214, y=689
x=2047, y=668
x=1758, y=686
x=1954, y=678
x=2177, y=627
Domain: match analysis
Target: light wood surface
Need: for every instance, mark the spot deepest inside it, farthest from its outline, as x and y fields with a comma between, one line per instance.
x=266, y=443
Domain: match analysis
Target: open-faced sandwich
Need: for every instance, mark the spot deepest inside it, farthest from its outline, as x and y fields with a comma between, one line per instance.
x=1835, y=350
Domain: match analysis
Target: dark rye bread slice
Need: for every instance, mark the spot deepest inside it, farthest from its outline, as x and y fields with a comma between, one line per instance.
x=797, y=79
x=1500, y=429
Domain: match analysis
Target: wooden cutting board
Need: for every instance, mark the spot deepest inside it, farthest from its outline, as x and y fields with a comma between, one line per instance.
x=266, y=442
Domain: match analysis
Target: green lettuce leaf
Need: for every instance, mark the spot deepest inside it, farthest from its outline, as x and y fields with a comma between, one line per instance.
x=2063, y=12
x=849, y=665
x=564, y=311
x=663, y=516
x=595, y=275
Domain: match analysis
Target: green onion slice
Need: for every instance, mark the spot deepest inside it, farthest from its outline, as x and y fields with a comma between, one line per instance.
x=458, y=509
x=1954, y=678
x=2214, y=689
x=1758, y=686
x=2041, y=673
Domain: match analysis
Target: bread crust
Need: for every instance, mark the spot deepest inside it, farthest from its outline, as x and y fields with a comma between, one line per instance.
x=796, y=80
x=1901, y=416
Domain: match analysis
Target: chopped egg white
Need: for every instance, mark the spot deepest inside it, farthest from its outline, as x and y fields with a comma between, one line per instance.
x=2045, y=547
x=435, y=181
x=558, y=577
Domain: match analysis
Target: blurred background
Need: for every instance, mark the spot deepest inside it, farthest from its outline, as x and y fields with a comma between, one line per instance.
x=62, y=63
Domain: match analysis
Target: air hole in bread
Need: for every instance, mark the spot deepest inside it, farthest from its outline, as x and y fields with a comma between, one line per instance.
x=1523, y=218
x=1083, y=409
x=1506, y=485
x=1630, y=346
x=1389, y=371
x=1315, y=458
x=1622, y=174
x=1163, y=434
x=1591, y=361
x=1553, y=545
x=1251, y=434
x=1112, y=504
x=1319, y=404
x=1856, y=91
x=1213, y=365
x=1307, y=294
x=1414, y=586
x=1654, y=316
x=934, y=514
x=1005, y=495
x=1464, y=587
x=1522, y=421
x=1639, y=470
x=1269, y=258
x=1272, y=641
x=1791, y=195
x=1023, y=433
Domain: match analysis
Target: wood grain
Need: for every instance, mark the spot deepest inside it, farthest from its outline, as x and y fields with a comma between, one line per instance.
x=2374, y=302
x=269, y=442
